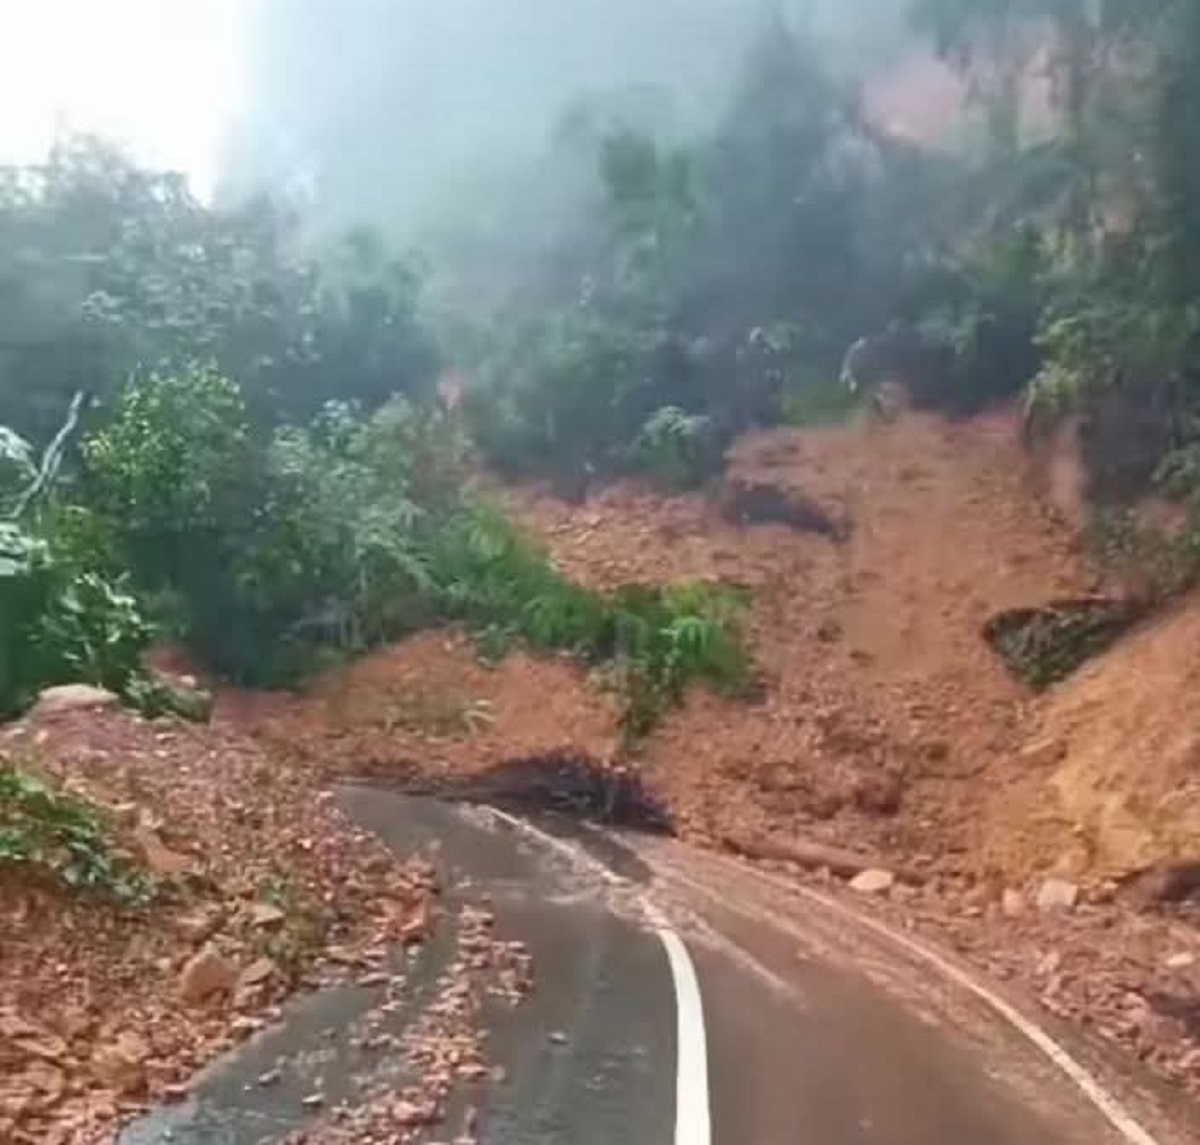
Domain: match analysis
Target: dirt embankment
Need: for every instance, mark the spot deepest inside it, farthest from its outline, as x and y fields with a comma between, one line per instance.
x=887, y=725
x=887, y=721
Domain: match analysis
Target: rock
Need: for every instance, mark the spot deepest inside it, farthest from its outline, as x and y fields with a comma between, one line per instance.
x=1057, y=895
x=121, y=1063
x=873, y=882
x=1043, y=753
x=417, y=925
x=1049, y=963
x=198, y=928
x=256, y=973
x=267, y=916
x=73, y=698
x=1012, y=903
x=1167, y=882
x=408, y=1114
x=1180, y=961
x=158, y=857
x=206, y=974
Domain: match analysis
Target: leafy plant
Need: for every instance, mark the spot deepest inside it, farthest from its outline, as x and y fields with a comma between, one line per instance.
x=51, y=831
x=677, y=448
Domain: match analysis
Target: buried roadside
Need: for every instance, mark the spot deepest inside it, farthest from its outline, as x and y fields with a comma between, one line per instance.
x=250, y=885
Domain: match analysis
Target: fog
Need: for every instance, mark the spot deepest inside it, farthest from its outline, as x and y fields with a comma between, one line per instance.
x=434, y=121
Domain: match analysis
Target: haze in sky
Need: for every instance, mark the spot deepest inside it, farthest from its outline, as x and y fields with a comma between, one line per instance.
x=162, y=77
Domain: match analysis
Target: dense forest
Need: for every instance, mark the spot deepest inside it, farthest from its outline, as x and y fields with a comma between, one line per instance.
x=229, y=423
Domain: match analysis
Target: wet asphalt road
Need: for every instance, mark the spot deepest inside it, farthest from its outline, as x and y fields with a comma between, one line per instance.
x=814, y=1035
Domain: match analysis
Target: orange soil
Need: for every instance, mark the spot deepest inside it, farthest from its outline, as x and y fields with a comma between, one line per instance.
x=887, y=723
x=880, y=687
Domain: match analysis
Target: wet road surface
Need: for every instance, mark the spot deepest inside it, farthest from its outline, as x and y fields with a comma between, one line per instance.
x=806, y=1028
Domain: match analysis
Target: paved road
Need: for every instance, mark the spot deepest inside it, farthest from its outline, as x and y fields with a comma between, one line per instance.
x=683, y=998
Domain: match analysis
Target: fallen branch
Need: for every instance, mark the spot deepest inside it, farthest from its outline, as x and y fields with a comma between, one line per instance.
x=815, y=856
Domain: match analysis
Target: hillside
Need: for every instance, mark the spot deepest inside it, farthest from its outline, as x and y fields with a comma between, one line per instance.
x=885, y=724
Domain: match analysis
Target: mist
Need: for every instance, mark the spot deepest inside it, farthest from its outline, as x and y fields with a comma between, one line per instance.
x=442, y=124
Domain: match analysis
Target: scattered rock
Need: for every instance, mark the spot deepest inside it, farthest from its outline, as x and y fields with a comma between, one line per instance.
x=313, y=1100
x=257, y=973
x=73, y=698
x=1057, y=895
x=158, y=857
x=1012, y=903
x=206, y=974
x=873, y=882
x=121, y=1064
x=267, y=916
x=557, y=1037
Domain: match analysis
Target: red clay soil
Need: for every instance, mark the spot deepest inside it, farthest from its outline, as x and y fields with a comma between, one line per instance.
x=881, y=696
x=99, y=1004
x=887, y=724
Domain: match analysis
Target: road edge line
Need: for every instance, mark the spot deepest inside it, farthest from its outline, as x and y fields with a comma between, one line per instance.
x=1092, y=1088
x=693, y=1118
x=692, y=1113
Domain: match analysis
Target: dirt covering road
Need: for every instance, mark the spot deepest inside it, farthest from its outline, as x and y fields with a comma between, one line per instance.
x=886, y=728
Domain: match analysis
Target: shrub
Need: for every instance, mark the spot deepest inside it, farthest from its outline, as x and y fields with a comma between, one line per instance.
x=676, y=448
x=63, y=618
x=62, y=836
x=653, y=642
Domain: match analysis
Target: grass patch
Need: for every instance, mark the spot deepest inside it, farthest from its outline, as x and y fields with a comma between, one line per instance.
x=59, y=835
x=653, y=641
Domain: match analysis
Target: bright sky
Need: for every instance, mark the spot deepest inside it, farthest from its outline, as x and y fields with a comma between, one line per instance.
x=163, y=77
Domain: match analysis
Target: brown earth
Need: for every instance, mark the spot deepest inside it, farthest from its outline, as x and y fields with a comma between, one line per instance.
x=887, y=725
x=100, y=1004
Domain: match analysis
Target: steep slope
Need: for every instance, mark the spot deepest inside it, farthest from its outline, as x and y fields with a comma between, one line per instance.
x=886, y=724
x=1112, y=776
x=882, y=695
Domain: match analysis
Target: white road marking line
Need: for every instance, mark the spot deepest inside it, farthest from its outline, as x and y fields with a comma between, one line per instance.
x=1116, y=1114
x=1092, y=1088
x=692, y=1109
x=691, y=1056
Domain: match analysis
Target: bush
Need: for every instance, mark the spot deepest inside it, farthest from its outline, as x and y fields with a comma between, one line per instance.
x=654, y=642
x=61, y=836
x=63, y=618
x=677, y=449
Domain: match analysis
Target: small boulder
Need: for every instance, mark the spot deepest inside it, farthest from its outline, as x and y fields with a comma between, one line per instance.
x=206, y=975
x=121, y=1063
x=257, y=972
x=267, y=916
x=73, y=698
x=158, y=857
x=873, y=882
x=1012, y=903
x=1057, y=895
